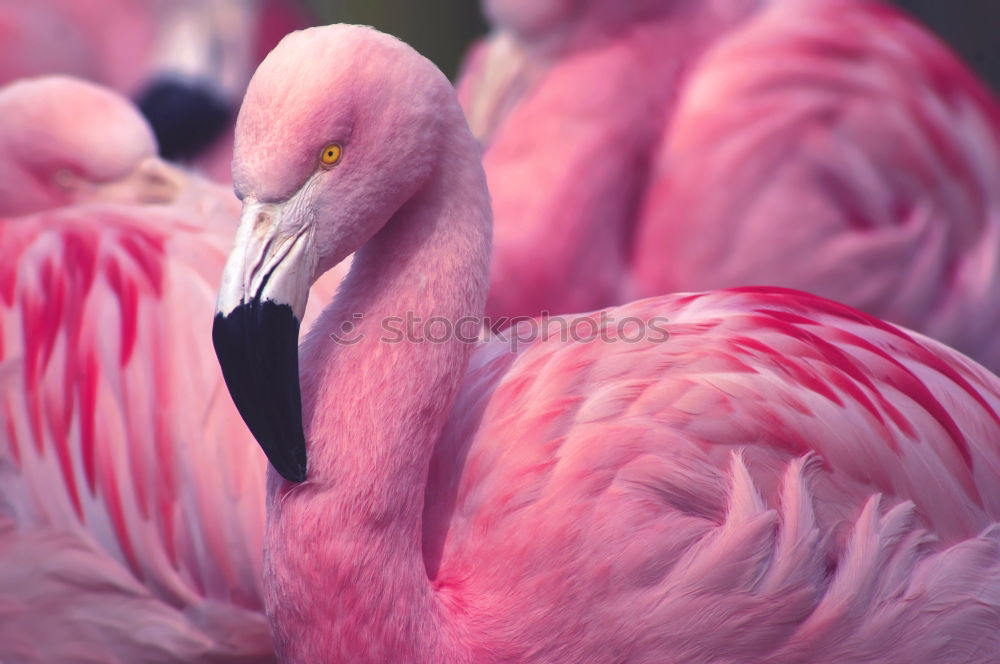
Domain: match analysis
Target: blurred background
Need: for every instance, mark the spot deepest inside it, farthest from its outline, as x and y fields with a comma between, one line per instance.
x=440, y=29
x=186, y=63
x=443, y=29
x=972, y=27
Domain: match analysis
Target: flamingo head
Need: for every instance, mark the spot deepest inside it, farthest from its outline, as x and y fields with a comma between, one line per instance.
x=66, y=141
x=340, y=127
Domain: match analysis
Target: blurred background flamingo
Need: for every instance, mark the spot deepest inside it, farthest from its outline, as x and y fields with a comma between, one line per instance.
x=569, y=99
x=65, y=141
x=123, y=464
x=834, y=147
x=186, y=62
x=690, y=145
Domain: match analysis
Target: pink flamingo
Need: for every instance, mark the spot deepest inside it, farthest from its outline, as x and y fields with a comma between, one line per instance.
x=564, y=88
x=123, y=465
x=832, y=146
x=188, y=61
x=120, y=457
x=869, y=176
x=760, y=475
x=66, y=141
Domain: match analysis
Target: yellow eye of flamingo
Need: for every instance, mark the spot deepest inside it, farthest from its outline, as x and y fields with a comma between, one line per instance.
x=331, y=154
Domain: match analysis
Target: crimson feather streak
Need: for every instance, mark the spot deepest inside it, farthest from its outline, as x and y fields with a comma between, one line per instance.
x=131, y=497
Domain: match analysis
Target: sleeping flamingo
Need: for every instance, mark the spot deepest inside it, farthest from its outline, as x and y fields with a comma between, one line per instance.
x=758, y=476
x=120, y=462
x=186, y=61
x=832, y=146
x=64, y=140
x=123, y=464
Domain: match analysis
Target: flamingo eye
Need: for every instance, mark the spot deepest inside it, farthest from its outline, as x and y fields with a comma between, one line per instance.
x=331, y=154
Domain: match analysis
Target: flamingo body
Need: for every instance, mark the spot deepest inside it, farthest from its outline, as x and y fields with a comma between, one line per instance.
x=760, y=475
x=114, y=431
x=831, y=146
x=568, y=135
x=662, y=486
x=123, y=464
x=862, y=168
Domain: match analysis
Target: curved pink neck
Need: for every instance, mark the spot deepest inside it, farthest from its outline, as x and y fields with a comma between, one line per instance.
x=345, y=577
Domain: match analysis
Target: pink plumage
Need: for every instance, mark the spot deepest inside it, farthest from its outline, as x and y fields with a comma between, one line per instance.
x=113, y=426
x=64, y=140
x=837, y=148
x=123, y=465
x=121, y=460
x=127, y=44
x=569, y=111
x=761, y=476
x=832, y=146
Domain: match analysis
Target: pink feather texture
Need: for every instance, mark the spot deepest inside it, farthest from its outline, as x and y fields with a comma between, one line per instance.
x=124, y=44
x=783, y=479
x=131, y=495
x=832, y=146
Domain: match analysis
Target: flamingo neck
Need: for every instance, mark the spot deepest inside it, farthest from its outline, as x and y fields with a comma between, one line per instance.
x=345, y=577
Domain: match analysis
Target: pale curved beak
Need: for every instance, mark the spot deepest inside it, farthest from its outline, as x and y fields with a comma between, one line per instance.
x=258, y=313
x=152, y=182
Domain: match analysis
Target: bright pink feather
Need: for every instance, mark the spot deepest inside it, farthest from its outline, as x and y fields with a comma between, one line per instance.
x=130, y=450
x=124, y=466
x=832, y=146
x=837, y=148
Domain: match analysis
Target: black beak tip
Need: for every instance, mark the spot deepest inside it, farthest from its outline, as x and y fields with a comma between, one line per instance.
x=257, y=347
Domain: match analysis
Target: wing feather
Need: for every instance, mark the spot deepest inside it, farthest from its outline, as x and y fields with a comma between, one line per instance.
x=837, y=148
x=116, y=426
x=777, y=373
x=807, y=479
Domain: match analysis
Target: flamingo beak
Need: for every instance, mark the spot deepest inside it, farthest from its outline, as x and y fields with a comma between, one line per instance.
x=263, y=295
